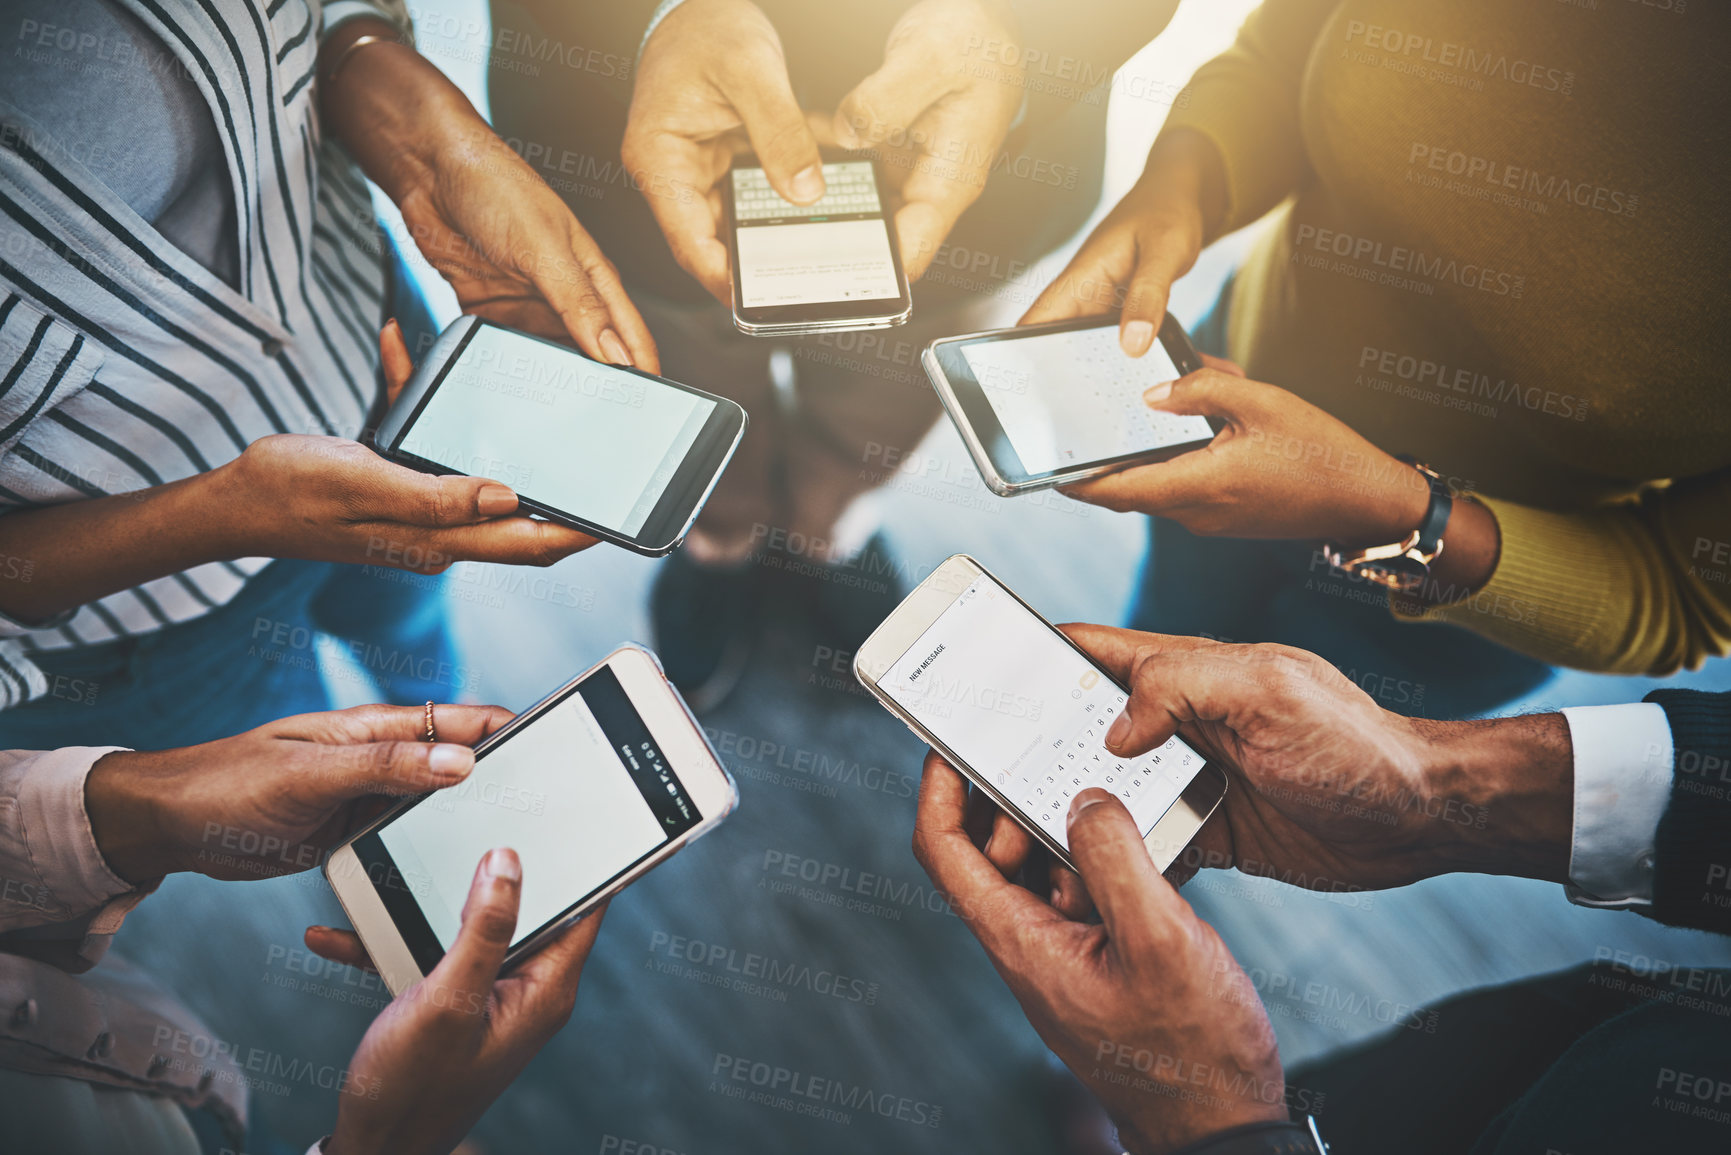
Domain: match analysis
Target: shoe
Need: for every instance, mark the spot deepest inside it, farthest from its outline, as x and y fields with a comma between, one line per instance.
x=845, y=600
x=704, y=618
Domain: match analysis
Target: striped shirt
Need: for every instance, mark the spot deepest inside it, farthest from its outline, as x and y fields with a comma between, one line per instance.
x=124, y=363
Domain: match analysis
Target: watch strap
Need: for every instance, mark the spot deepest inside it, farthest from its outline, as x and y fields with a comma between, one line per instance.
x=1271, y=1138
x=1436, y=516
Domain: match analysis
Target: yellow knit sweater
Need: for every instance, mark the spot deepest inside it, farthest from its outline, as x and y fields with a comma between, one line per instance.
x=1502, y=243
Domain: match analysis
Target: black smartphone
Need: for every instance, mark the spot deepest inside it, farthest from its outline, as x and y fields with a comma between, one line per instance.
x=618, y=453
x=813, y=268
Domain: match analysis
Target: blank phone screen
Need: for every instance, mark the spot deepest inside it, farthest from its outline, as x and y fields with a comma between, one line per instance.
x=582, y=794
x=1074, y=397
x=588, y=439
x=836, y=250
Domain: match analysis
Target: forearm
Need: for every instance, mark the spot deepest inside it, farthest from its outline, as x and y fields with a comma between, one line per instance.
x=1512, y=783
x=80, y=551
x=389, y=106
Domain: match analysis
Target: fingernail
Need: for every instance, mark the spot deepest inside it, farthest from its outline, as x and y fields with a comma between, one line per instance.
x=1092, y=796
x=614, y=349
x=1119, y=731
x=1155, y=394
x=1055, y=896
x=1136, y=337
x=495, y=501
x=503, y=864
x=392, y=324
x=449, y=759
x=807, y=184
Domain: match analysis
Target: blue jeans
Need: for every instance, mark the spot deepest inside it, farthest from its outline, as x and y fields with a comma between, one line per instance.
x=247, y=663
x=1279, y=591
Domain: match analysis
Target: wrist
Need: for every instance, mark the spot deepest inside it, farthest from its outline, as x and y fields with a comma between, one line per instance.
x=1501, y=796
x=125, y=820
x=1185, y=167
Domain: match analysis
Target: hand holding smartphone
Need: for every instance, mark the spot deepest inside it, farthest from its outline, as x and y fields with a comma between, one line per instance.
x=592, y=787
x=615, y=452
x=1047, y=405
x=834, y=264
x=1018, y=708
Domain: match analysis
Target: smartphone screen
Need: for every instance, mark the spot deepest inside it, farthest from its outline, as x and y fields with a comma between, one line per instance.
x=582, y=793
x=1073, y=397
x=994, y=683
x=837, y=250
x=594, y=441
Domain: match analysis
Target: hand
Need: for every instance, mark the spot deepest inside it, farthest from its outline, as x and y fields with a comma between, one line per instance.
x=1328, y=790
x=437, y=1057
x=273, y=800
x=1149, y=239
x=1281, y=468
x=330, y=499
x=1147, y=1007
x=936, y=115
x=712, y=76
x=482, y=217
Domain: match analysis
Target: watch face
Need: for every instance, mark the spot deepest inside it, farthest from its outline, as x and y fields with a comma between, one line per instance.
x=1402, y=574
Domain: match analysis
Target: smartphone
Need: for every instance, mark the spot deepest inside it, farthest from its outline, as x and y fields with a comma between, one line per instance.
x=1046, y=405
x=1016, y=706
x=620, y=454
x=813, y=268
x=599, y=782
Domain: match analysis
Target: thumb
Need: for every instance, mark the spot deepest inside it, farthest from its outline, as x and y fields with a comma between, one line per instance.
x=886, y=104
x=781, y=138
x=465, y=976
x=1210, y=393
x=1138, y=906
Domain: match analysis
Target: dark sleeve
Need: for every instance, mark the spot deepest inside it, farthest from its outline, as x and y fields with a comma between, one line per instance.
x=1692, y=870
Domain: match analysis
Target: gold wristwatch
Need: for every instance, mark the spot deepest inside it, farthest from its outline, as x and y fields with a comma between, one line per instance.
x=1401, y=566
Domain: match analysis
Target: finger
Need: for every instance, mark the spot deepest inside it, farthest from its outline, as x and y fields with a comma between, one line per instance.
x=343, y=946
x=584, y=289
x=559, y=963
x=1213, y=393
x=1088, y=286
x=337, y=774
x=1161, y=489
x=1138, y=906
x=1069, y=895
x=395, y=360
x=385, y=491
x=1223, y=365
x=381, y=723
x=1162, y=256
x=467, y=972
x=936, y=194
x=1116, y=650
x=678, y=179
x=783, y=141
x=885, y=105
x=508, y=541
x=1009, y=846
x=993, y=907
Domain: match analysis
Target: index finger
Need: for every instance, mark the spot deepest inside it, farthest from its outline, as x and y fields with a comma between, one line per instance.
x=1151, y=489
x=1140, y=908
x=993, y=907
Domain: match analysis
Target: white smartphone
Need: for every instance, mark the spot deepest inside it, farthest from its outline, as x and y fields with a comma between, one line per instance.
x=593, y=786
x=1046, y=405
x=813, y=268
x=1016, y=706
x=620, y=454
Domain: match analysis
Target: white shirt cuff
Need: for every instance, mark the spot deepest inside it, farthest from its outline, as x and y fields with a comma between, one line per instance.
x=1623, y=759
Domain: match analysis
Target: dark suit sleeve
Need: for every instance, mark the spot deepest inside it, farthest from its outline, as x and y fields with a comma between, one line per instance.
x=1692, y=871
